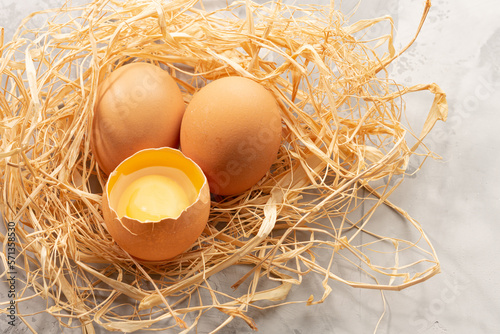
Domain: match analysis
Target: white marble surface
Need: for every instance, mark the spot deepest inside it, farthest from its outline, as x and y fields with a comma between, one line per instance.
x=456, y=200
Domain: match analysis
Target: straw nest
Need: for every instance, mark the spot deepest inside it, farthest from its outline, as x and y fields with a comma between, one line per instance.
x=346, y=149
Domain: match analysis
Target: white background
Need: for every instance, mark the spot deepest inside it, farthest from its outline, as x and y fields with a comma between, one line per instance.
x=457, y=199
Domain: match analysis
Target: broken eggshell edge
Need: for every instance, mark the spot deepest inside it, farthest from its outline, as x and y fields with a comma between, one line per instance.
x=158, y=240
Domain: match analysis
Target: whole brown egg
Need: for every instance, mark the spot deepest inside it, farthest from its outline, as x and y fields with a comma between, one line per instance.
x=232, y=130
x=138, y=106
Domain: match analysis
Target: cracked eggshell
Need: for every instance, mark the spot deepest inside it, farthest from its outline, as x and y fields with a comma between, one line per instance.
x=166, y=238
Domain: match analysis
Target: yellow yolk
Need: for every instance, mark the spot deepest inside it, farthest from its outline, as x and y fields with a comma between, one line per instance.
x=152, y=197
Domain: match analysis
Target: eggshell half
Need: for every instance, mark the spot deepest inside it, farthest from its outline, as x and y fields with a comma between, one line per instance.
x=164, y=239
x=232, y=130
x=138, y=106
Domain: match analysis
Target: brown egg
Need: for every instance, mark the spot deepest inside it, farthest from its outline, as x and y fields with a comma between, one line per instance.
x=232, y=130
x=156, y=204
x=138, y=106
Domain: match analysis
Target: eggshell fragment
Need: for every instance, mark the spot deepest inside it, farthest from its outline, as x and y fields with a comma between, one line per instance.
x=232, y=130
x=138, y=106
x=166, y=238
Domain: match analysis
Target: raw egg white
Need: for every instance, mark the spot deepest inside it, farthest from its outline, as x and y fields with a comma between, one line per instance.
x=232, y=130
x=138, y=106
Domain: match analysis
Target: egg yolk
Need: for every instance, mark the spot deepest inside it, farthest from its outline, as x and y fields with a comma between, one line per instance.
x=152, y=198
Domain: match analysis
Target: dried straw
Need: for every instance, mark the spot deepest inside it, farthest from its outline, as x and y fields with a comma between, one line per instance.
x=346, y=149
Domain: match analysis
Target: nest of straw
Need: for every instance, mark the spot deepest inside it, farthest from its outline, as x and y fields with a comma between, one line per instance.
x=346, y=149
